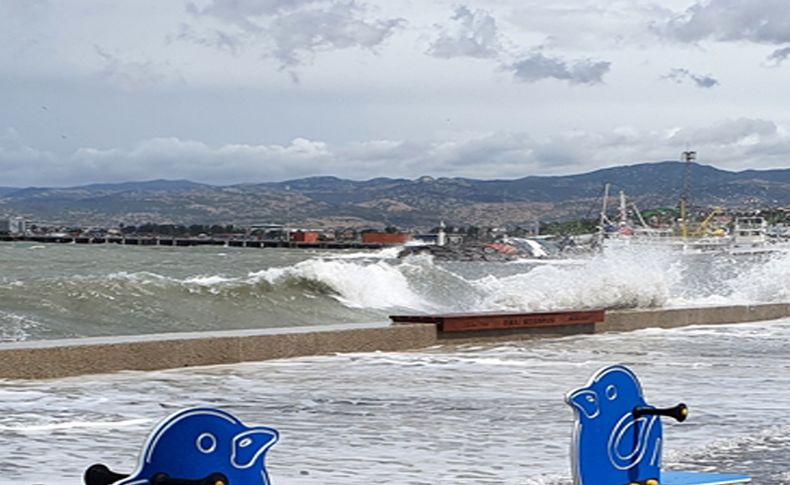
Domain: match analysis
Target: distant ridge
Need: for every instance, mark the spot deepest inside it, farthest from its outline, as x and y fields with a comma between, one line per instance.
x=336, y=202
x=159, y=184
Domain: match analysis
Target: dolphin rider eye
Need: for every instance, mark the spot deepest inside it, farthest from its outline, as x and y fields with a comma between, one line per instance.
x=245, y=442
x=611, y=392
x=590, y=398
x=206, y=443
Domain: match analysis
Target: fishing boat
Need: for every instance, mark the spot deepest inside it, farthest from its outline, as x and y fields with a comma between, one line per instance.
x=625, y=233
x=748, y=234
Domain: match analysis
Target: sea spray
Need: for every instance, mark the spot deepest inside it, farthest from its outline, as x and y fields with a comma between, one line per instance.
x=767, y=280
x=628, y=279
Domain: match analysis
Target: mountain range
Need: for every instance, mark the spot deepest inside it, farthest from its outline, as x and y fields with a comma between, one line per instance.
x=405, y=203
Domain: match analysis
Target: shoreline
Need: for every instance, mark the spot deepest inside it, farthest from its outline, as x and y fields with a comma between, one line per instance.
x=50, y=359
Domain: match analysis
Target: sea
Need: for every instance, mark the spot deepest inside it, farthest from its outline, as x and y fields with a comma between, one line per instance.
x=462, y=414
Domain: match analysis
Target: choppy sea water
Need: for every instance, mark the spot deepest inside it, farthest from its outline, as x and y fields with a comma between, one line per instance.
x=58, y=291
x=473, y=414
x=490, y=414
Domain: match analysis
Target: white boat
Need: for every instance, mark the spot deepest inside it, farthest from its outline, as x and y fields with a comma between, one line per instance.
x=749, y=235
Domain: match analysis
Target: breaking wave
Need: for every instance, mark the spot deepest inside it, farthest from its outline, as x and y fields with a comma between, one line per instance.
x=251, y=290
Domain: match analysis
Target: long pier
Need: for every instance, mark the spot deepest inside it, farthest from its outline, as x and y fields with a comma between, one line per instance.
x=61, y=358
x=191, y=241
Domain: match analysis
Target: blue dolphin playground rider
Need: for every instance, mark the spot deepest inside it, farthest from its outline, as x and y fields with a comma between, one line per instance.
x=197, y=446
x=617, y=440
x=617, y=447
x=617, y=437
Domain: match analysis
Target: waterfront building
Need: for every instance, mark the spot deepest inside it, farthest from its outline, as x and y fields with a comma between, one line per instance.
x=13, y=226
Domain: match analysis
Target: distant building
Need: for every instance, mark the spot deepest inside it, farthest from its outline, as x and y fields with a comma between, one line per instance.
x=268, y=231
x=346, y=234
x=305, y=236
x=374, y=237
x=454, y=239
x=13, y=226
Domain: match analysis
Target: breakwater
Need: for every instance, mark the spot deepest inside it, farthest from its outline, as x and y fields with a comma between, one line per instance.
x=192, y=241
x=61, y=358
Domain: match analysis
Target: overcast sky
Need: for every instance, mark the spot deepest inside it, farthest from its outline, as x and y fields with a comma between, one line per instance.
x=229, y=91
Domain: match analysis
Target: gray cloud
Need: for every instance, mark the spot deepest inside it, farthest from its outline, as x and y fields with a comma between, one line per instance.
x=537, y=66
x=474, y=34
x=779, y=55
x=761, y=21
x=292, y=31
x=681, y=75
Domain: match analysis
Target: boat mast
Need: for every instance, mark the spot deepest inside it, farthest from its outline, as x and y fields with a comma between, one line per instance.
x=639, y=215
x=688, y=157
x=602, y=225
x=623, y=210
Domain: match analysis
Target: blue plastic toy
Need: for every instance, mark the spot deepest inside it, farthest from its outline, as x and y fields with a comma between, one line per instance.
x=617, y=440
x=197, y=446
x=617, y=436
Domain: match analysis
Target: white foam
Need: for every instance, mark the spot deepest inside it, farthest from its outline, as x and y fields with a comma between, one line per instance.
x=209, y=280
x=72, y=425
x=378, y=285
x=15, y=327
x=627, y=280
x=765, y=281
x=385, y=253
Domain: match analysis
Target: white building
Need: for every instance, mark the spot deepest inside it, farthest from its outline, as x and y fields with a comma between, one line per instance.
x=14, y=225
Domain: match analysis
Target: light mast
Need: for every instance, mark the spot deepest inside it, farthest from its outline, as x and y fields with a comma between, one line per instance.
x=688, y=157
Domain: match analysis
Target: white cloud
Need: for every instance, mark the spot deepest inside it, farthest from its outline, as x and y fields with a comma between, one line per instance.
x=760, y=21
x=733, y=143
x=473, y=34
x=733, y=132
x=292, y=31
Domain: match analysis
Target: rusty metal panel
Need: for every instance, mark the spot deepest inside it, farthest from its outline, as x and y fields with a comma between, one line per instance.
x=465, y=322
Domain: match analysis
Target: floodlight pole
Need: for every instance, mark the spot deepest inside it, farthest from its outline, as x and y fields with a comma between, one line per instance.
x=688, y=157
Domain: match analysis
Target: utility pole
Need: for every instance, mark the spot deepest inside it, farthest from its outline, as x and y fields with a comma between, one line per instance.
x=688, y=157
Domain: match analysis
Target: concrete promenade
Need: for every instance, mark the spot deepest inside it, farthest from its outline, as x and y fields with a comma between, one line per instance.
x=62, y=358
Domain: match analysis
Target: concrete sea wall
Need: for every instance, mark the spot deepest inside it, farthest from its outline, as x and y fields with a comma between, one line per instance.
x=62, y=358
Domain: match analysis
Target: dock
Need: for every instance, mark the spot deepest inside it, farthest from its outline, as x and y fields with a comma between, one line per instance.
x=192, y=241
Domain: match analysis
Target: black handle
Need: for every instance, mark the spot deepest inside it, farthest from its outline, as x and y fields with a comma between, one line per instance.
x=99, y=474
x=213, y=479
x=679, y=412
